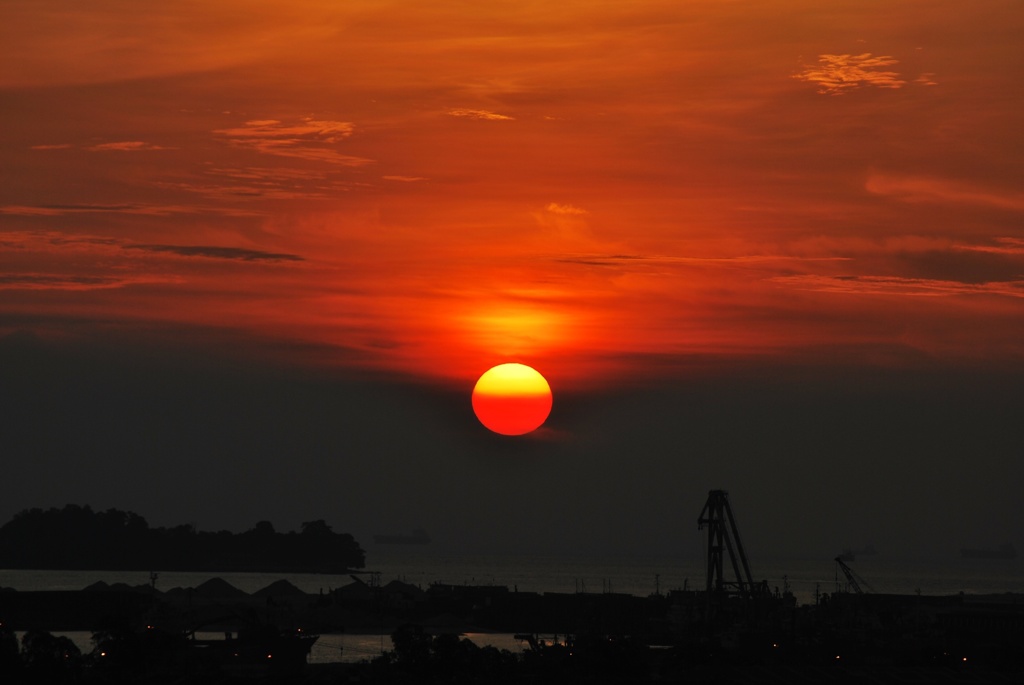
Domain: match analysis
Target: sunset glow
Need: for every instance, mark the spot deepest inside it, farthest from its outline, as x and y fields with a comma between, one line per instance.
x=592, y=185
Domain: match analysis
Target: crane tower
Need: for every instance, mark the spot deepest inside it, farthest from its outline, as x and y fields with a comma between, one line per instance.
x=724, y=536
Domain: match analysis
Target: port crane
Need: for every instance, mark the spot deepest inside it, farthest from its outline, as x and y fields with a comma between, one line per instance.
x=724, y=536
x=855, y=581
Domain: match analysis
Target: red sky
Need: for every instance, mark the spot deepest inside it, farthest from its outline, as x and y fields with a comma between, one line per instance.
x=625, y=195
x=441, y=186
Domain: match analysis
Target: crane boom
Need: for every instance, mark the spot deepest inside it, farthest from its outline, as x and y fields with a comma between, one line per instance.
x=854, y=580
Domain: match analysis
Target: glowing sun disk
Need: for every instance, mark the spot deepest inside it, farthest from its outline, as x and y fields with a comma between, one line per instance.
x=512, y=399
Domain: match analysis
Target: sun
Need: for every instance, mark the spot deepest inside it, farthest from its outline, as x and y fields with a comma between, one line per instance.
x=512, y=399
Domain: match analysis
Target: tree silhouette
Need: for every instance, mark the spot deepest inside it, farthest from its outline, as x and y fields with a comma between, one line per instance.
x=318, y=527
x=76, y=537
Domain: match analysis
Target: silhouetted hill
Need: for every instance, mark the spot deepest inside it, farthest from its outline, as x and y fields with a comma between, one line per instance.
x=77, y=537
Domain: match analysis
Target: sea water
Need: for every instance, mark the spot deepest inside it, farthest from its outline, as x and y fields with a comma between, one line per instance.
x=640, y=576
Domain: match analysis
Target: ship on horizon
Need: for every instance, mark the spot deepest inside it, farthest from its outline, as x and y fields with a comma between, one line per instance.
x=1006, y=551
x=417, y=537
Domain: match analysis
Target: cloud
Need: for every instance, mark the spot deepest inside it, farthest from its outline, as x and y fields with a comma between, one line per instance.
x=216, y=252
x=78, y=262
x=565, y=210
x=567, y=223
x=269, y=174
x=309, y=139
x=479, y=114
x=262, y=183
x=308, y=129
x=126, y=146
x=740, y=261
x=118, y=146
x=908, y=264
x=268, y=183
x=140, y=209
x=941, y=191
x=37, y=281
x=62, y=239
x=615, y=260
x=60, y=210
x=404, y=179
x=1003, y=246
x=34, y=240
x=45, y=241
x=838, y=74
x=896, y=285
x=255, y=191
x=961, y=263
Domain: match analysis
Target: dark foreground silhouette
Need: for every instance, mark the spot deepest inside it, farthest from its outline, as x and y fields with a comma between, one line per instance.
x=733, y=631
x=77, y=537
x=419, y=657
x=144, y=636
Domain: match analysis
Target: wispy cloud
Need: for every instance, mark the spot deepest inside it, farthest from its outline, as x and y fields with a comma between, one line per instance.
x=308, y=129
x=269, y=174
x=781, y=261
x=265, y=188
x=60, y=210
x=139, y=209
x=43, y=281
x=116, y=146
x=604, y=260
x=217, y=252
x=896, y=285
x=941, y=191
x=565, y=210
x=1003, y=246
x=126, y=146
x=34, y=240
x=80, y=262
x=45, y=241
x=309, y=139
x=838, y=74
x=404, y=179
x=484, y=114
x=567, y=223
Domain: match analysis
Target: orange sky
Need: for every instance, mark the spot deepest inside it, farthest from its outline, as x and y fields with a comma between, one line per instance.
x=603, y=190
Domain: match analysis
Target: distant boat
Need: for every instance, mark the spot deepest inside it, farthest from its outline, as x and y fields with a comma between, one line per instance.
x=1001, y=552
x=418, y=537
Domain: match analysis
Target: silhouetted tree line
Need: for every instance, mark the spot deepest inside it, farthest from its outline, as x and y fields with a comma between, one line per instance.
x=43, y=658
x=422, y=658
x=76, y=537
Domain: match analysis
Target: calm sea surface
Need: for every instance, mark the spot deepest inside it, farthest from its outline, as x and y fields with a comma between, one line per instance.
x=636, y=576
